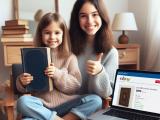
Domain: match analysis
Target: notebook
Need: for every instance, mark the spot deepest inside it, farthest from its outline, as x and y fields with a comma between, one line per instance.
x=136, y=94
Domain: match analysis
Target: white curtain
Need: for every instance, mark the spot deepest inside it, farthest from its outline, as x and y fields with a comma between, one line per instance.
x=152, y=37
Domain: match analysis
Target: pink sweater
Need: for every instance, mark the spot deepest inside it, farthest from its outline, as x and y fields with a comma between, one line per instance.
x=66, y=82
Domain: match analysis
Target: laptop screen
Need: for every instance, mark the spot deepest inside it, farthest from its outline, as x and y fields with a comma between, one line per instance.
x=137, y=90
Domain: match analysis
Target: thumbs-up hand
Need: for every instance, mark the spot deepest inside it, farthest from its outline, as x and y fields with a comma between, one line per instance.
x=99, y=57
x=94, y=66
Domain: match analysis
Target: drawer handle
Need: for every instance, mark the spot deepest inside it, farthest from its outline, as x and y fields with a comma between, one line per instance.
x=122, y=55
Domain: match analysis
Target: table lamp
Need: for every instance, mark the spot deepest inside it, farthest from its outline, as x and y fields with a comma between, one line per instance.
x=124, y=22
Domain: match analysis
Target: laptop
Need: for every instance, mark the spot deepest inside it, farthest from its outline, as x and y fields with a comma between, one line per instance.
x=136, y=96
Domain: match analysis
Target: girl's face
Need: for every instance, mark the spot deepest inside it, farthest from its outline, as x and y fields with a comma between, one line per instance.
x=52, y=35
x=89, y=19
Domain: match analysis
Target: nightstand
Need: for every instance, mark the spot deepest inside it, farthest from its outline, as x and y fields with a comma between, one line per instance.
x=12, y=53
x=129, y=56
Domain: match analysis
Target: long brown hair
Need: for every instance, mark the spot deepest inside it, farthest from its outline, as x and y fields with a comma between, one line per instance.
x=103, y=40
x=65, y=48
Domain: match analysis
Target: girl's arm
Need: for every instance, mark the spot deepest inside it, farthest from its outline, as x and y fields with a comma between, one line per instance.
x=68, y=80
x=101, y=83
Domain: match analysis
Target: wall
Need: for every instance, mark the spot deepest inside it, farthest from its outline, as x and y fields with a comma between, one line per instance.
x=116, y=6
x=6, y=12
x=65, y=9
x=140, y=12
x=6, y=9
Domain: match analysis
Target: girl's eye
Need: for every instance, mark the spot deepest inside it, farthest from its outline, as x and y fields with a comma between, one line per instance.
x=57, y=32
x=95, y=14
x=47, y=33
x=82, y=16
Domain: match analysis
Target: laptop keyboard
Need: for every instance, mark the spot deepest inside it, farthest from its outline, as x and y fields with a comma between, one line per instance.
x=128, y=115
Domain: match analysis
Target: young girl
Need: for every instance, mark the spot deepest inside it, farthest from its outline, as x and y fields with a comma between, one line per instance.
x=51, y=32
x=92, y=42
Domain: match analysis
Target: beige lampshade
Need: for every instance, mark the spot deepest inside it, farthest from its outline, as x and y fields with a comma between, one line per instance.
x=124, y=21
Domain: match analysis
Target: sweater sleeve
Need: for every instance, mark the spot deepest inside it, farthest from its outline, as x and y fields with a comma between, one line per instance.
x=68, y=80
x=101, y=83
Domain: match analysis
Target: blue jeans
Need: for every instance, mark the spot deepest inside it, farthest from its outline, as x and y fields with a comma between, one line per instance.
x=32, y=108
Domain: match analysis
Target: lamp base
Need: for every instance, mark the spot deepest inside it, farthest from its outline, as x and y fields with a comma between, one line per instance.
x=123, y=39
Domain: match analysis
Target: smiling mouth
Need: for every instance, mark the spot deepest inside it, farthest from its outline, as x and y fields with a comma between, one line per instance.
x=90, y=27
x=52, y=42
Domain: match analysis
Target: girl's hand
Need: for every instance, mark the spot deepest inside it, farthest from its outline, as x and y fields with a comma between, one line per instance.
x=26, y=78
x=95, y=67
x=50, y=70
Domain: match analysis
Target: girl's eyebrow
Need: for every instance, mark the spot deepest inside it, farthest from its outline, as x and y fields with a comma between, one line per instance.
x=89, y=13
x=45, y=30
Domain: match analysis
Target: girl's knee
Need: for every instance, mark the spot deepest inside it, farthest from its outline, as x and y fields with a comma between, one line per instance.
x=26, y=102
x=97, y=100
x=94, y=100
x=22, y=103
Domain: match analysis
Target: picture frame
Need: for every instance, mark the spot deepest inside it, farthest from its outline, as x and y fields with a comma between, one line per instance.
x=24, y=10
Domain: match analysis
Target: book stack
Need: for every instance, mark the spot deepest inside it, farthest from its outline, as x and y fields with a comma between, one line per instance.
x=16, y=31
